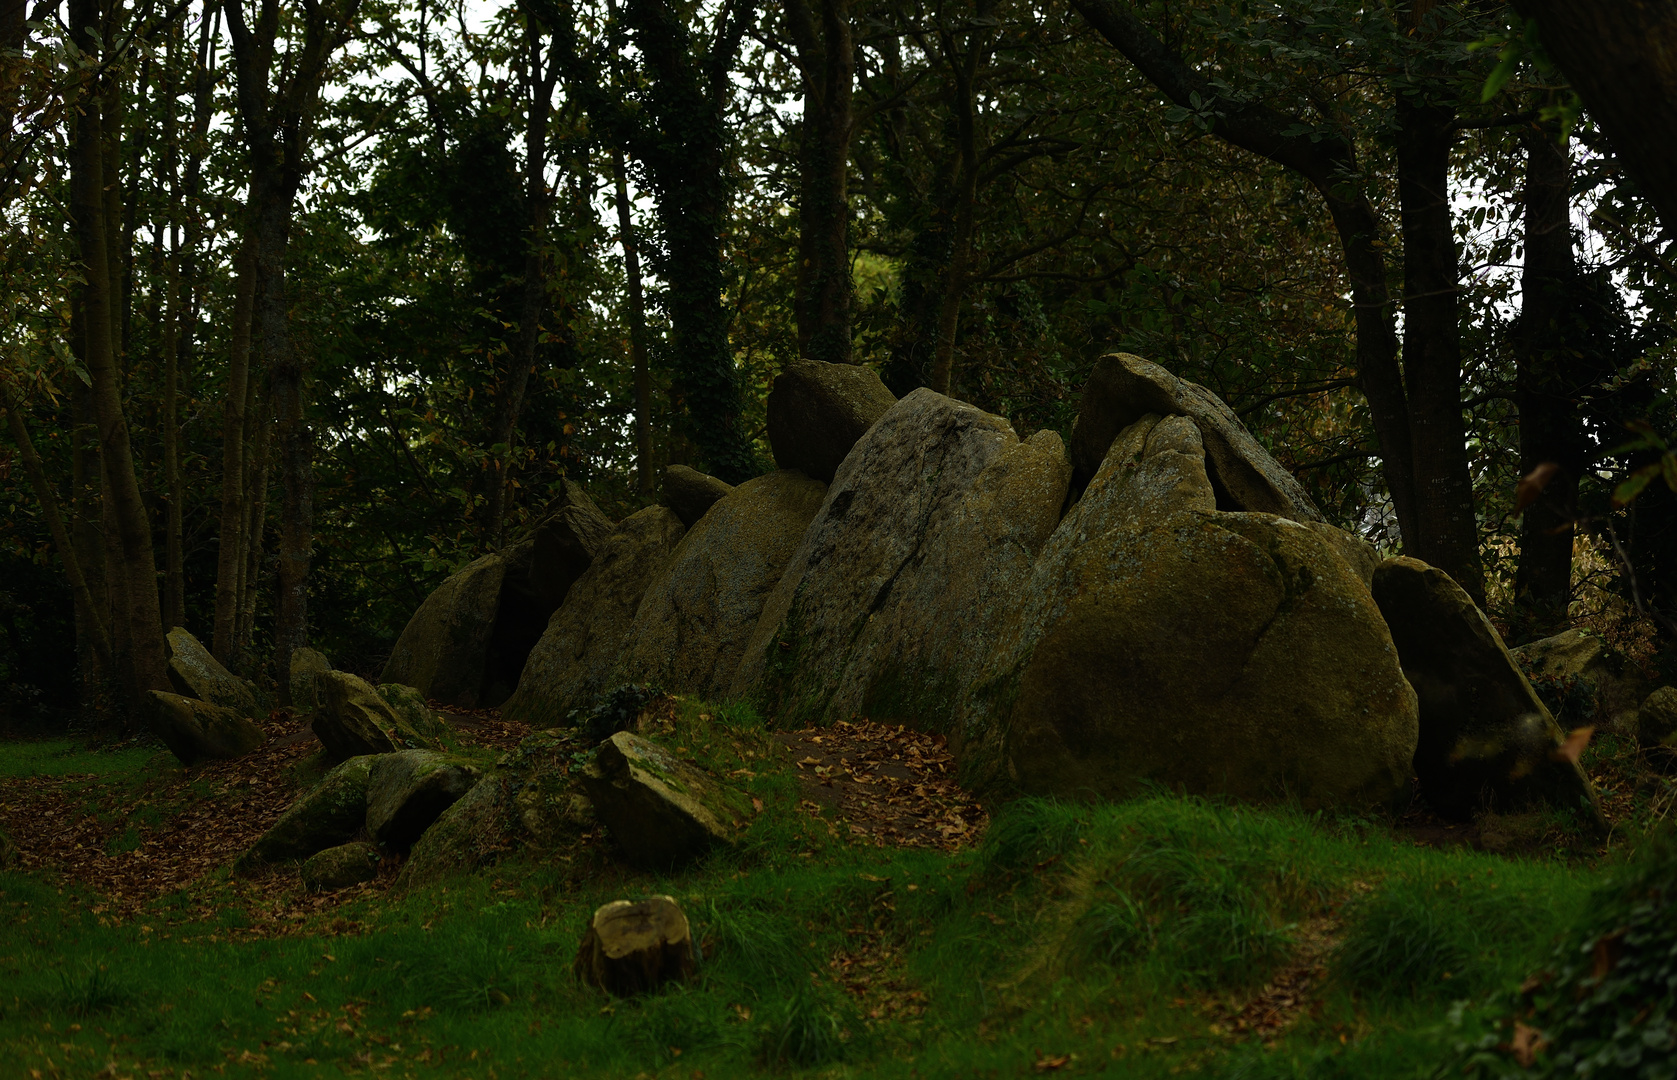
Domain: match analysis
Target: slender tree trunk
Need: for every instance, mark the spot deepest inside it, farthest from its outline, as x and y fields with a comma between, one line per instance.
x=256, y=522
x=1447, y=530
x=1550, y=431
x=644, y=479
x=827, y=58
x=86, y=514
x=136, y=582
x=533, y=293
x=235, y=528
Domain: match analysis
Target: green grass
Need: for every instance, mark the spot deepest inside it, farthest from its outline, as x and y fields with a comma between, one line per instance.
x=1121, y=938
x=65, y=756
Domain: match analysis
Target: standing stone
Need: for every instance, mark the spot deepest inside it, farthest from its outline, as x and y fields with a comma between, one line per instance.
x=938, y=624
x=197, y=674
x=922, y=456
x=636, y=947
x=1160, y=641
x=194, y=730
x=818, y=411
x=573, y=662
x=1486, y=740
x=1124, y=388
x=306, y=667
x=354, y=719
x=691, y=493
x=409, y=790
x=661, y=811
x=444, y=648
x=693, y=623
x=328, y=814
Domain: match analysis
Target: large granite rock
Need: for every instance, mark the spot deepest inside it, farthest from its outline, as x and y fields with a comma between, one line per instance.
x=196, y=674
x=306, y=667
x=409, y=790
x=817, y=412
x=355, y=719
x=575, y=658
x=691, y=493
x=340, y=867
x=1160, y=641
x=1486, y=740
x=692, y=625
x=933, y=630
x=195, y=730
x=1124, y=388
x=661, y=811
x=328, y=814
x=444, y=649
x=1582, y=656
x=919, y=458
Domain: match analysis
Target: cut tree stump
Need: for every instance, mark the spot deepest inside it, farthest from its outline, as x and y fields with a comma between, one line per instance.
x=636, y=946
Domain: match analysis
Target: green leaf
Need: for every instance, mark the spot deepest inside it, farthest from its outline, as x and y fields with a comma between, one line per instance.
x=1626, y=492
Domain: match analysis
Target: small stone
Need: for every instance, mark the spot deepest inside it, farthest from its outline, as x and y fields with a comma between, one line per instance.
x=195, y=730
x=691, y=493
x=340, y=867
x=328, y=814
x=197, y=674
x=661, y=811
x=409, y=790
x=636, y=947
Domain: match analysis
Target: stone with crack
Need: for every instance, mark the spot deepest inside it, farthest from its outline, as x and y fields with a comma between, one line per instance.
x=661, y=811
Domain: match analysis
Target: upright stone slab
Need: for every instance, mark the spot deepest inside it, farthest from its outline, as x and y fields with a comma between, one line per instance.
x=306, y=668
x=444, y=648
x=1124, y=388
x=197, y=674
x=195, y=730
x=328, y=814
x=938, y=623
x=661, y=811
x=408, y=791
x=818, y=411
x=574, y=660
x=692, y=625
x=921, y=456
x=355, y=719
x=1486, y=740
x=1161, y=641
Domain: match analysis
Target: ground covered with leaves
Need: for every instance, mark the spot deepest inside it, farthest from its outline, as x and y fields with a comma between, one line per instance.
x=875, y=921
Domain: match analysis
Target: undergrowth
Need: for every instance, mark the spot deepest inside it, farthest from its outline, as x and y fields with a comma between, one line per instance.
x=1075, y=938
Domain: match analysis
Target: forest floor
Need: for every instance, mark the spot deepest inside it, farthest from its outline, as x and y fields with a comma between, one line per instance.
x=874, y=922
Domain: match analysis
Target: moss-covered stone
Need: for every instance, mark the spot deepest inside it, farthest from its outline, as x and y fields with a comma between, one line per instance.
x=443, y=651
x=328, y=814
x=691, y=493
x=919, y=458
x=306, y=668
x=573, y=662
x=410, y=706
x=197, y=674
x=692, y=625
x=473, y=832
x=355, y=719
x=1160, y=641
x=407, y=791
x=340, y=867
x=1486, y=739
x=818, y=411
x=661, y=811
x=1657, y=720
x=195, y=730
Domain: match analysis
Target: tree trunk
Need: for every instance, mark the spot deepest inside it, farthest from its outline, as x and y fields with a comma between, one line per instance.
x=256, y=522
x=827, y=59
x=645, y=481
x=1550, y=429
x=1622, y=57
x=135, y=581
x=87, y=513
x=235, y=529
x=1447, y=533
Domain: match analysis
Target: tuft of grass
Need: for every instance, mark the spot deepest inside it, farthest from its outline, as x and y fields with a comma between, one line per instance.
x=808, y=1028
x=87, y=989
